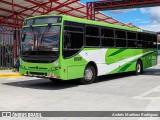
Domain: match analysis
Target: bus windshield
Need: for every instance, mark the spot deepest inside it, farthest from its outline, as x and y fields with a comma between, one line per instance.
x=44, y=38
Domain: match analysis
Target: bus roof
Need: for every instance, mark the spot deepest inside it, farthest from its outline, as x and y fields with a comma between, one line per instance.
x=92, y=22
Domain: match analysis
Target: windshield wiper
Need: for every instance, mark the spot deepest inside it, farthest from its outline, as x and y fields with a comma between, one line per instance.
x=31, y=27
x=47, y=29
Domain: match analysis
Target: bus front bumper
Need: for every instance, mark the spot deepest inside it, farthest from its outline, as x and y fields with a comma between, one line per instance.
x=39, y=74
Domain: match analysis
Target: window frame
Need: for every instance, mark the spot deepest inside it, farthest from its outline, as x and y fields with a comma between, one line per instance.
x=99, y=37
x=114, y=37
x=136, y=40
x=63, y=33
x=124, y=39
x=73, y=32
x=102, y=37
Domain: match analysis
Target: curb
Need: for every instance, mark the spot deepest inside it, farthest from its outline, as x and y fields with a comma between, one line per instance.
x=10, y=75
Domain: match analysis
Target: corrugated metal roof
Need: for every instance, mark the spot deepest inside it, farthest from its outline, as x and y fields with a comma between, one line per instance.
x=26, y=8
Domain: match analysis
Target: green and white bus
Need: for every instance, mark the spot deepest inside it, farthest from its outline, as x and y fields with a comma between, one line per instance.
x=65, y=47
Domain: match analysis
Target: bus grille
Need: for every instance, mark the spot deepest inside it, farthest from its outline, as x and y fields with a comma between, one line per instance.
x=38, y=68
x=38, y=73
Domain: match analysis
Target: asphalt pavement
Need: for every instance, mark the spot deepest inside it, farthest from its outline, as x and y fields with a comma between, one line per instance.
x=119, y=92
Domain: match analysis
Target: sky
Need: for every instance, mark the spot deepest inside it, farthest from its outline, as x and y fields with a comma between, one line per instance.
x=145, y=18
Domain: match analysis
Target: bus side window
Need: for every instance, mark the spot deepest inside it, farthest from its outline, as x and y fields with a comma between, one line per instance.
x=139, y=45
x=72, y=38
x=155, y=41
x=120, y=38
x=131, y=39
x=67, y=40
x=107, y=37
x=92, y=36
x=144, y=40
x=149, y=40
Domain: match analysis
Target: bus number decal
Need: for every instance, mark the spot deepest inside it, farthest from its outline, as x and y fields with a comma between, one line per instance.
x=78, y=59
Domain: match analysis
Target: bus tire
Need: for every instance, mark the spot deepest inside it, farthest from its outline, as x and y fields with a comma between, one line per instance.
x=139, y=68
x=89, y=75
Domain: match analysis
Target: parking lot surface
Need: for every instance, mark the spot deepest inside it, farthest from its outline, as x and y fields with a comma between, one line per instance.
x=120, y=92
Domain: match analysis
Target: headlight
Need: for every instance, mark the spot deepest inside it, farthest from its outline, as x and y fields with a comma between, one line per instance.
x=56, y=63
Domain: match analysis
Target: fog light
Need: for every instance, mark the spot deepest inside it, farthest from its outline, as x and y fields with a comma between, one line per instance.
x=56, y=63
x=51, y=74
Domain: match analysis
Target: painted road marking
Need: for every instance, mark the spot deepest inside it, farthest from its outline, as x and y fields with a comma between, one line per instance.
x=152, y=106
x=145, y=95
x=157, y=73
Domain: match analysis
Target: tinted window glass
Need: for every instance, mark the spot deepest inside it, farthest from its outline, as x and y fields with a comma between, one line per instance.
x=141, y=36
x=92, y=31
x=107, y=32
x=120, y=43
x=92, y=41
x=120, y=34
x=131, y=35
x=73, y=38
x=42, y=20
x=132, y=43
x=107, y=42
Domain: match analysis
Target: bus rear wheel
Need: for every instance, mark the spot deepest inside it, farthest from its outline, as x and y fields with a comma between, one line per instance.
x=139, y=68
x=89, y=75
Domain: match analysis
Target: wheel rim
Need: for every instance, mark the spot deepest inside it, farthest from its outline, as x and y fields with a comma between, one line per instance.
x=138, y=68
x=88, y=74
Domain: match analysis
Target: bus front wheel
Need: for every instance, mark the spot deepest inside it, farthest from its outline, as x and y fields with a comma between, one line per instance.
x=89, y=75
x=139, y=68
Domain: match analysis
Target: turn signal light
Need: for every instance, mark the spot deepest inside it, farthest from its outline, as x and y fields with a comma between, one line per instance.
x=51, y=76
x=58, y=77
